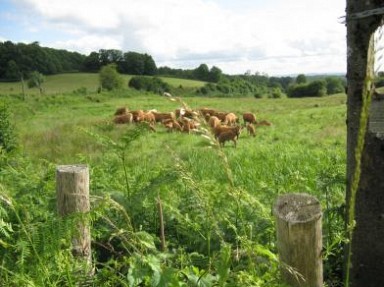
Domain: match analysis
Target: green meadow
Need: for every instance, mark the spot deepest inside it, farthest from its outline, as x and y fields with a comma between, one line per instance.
x=64, y=83
x=216, y=200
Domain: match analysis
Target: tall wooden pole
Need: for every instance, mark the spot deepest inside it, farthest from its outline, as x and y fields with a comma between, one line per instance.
x=72, y=190
x=299, y=239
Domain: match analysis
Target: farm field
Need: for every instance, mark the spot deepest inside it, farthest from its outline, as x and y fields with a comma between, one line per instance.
x=64, y=83
x=216, y=200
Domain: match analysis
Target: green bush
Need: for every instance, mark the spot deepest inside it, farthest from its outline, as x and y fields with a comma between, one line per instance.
x=8, y=140
x=312, y=89
x=149, y=84
x=109, y=78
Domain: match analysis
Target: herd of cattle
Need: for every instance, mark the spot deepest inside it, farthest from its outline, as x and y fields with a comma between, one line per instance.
x=225, y=126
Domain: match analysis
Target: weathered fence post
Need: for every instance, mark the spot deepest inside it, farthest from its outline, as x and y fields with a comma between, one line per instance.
x=299, y=239
x=72, y=191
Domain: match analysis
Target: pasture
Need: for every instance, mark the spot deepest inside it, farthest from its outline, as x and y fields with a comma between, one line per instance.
x=215, y=199
x=66, y=83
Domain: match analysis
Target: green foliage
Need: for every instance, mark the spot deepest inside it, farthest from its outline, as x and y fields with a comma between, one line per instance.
x=109, y=78
x=216, y=202
x=335, y=85
x=313, y=89
x=301, y=79
x=203, y=73
x=21, y=59
x=8, y=140
x=149, y=84
x=12, y=72
x=36, y=79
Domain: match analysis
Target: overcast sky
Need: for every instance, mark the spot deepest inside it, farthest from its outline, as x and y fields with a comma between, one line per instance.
x=276, y=37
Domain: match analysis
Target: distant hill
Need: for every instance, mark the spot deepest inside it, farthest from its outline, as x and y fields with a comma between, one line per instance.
x=69, y=82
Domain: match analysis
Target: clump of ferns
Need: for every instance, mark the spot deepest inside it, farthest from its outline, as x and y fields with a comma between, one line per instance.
x=121, y=148
x=33, y=251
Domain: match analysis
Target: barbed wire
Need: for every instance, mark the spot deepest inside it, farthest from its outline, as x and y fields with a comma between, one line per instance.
x=362, y=14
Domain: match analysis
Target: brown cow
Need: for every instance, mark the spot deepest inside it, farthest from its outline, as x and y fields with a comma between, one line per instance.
x=231, y=119
x=137, y=114
x=171, y=125
x=160, y=117
x=187, y=113
x=220, y=129
x=249, y=118
x=148, y=117
x=214, y=122
x=228, y=135
x=264, y=123
x=188, y=124
x=123, y=119
x=121, y=111
x=205, y=111
x=221, y=116
x=251, y=130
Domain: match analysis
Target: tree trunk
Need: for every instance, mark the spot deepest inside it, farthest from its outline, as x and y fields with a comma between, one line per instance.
x=367, y=249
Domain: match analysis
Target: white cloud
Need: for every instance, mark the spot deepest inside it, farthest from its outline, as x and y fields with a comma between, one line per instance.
x=177, y=32
x=88, y=44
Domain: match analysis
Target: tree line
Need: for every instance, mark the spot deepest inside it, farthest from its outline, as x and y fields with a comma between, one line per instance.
x=24, y=61
x=19, y=60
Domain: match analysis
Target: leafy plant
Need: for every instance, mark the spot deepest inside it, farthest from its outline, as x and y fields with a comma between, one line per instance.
x=8, y=140
x=109, y=78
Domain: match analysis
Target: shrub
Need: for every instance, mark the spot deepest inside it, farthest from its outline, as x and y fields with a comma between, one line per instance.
x=109, y=78
x=150, y=84
x=276, y=93
x=313, y=89
x=335, y=85
x=8, y=140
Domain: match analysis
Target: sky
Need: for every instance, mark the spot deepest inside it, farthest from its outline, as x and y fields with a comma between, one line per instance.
x=273, y=37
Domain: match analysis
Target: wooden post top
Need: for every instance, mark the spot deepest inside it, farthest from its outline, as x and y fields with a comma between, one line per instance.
x=71, y=168
x=297, y=208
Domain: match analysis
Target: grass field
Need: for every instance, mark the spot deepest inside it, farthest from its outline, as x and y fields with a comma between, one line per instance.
x=213, y=197
x=64, y=83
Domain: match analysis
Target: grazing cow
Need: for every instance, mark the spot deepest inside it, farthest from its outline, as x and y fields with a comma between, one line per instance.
x=249, y=118
x=171, y=125
x=221, y=116
x=205, y=111
x=148, y=117
x=251, y=130
x=123, y=119
x=214, y=122
x=187, y=113
x=231, y=119
x=220, y=129
x=264, y=123
x=137, y=115
x=188, y=125
x=121, y=111
x=227, y=136
x=160, y=117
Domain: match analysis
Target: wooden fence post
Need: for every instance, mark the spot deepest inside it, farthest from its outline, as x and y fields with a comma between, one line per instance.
x=299, y=239
x=72, y=191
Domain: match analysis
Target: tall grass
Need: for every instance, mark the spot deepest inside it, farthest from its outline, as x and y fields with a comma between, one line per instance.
x=216, y=201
